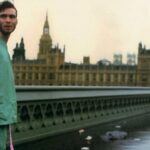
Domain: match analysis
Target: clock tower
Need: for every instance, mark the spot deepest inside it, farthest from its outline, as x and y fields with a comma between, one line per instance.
x=45, y=44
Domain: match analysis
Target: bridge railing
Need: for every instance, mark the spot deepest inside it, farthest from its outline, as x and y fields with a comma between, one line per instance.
x=45, y=111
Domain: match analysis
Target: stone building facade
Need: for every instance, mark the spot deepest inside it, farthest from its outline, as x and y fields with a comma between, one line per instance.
x=50, y=67
x=143, y=67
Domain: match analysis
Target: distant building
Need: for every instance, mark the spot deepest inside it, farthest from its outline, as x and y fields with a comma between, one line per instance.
x=131, y=59
x=117, y=59
x=19, y=52
x=143, y=67
x=50, y=67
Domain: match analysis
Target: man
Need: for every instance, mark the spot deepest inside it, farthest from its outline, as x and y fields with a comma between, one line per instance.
x=8, y=106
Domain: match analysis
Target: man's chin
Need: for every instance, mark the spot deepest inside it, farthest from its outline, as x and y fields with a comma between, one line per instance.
x=6, y=33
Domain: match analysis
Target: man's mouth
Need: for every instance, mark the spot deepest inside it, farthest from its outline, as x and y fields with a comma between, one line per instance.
x=8, y=27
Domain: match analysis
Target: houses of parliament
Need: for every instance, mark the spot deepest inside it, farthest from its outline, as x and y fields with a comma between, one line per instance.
x=50, y=67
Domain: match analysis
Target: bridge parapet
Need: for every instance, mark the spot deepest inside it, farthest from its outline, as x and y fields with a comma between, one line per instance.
x=46, y=111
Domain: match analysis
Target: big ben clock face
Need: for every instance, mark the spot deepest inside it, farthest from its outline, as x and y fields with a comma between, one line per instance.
x=46, y=30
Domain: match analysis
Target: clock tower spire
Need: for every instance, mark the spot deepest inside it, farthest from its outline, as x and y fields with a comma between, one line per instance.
x=46, y=26
x=45, y=44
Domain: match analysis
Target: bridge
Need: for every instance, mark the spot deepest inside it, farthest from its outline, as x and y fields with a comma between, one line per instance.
x=45, y=111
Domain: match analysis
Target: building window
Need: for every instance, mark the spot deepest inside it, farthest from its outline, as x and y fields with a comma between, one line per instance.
x=37, y=68
x=87, y=77
x=36, y=76
x=30, y=76
x=101, y=77
x=17, y=76
x=73, y=76
x=131, y=77
x=115, y=78
x=108, y=77
x=80, y=77
x=59, y=76
x=94, y=76
x=51, y=76
x=123, y=78
x=43, y=76
x=23, y=76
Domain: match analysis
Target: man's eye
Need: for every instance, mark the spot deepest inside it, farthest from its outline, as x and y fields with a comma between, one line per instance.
x=12, y=16
x=5, y=16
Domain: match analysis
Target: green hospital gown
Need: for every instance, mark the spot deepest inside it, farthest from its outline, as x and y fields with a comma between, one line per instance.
x=8, y=105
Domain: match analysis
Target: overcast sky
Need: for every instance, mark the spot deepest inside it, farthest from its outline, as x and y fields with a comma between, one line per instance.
x=95, y=28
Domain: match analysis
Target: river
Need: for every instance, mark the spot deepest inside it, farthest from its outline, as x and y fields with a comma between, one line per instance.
x=137, y=129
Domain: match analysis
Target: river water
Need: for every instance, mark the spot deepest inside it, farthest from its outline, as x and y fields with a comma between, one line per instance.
x=137, y=129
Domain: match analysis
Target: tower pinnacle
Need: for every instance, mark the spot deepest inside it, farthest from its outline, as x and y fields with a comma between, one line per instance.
x=46, y=25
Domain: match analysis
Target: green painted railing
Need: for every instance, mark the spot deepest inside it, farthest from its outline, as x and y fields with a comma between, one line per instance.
x=47, y=111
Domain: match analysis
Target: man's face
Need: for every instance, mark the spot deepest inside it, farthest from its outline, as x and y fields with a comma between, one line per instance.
x=8, y=21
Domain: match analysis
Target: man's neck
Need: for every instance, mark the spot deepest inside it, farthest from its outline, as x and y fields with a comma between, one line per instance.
x=4, y=37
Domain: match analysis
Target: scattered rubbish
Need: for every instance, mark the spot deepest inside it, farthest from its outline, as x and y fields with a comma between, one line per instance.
x=81, y=131
x=118, y=126
x=114, y=135
x=85, y=148
x=88, y=138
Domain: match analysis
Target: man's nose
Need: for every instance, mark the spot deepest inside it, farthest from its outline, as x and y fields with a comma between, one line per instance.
x=8, y=19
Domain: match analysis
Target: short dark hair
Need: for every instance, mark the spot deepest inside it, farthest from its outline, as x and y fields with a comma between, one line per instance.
x=6, y=4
